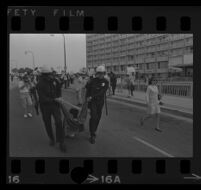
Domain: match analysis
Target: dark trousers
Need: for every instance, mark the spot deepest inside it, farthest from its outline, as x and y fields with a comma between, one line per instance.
x=47, y=111
x=95, y=107
x=132, y=88
x=113, y=89
x=65, y=84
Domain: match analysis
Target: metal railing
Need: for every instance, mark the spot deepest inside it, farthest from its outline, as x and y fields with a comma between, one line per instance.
x=182, y=89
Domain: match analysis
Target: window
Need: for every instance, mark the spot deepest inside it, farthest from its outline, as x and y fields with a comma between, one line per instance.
x=159, y=66
x=147, y=65
x=163, y=65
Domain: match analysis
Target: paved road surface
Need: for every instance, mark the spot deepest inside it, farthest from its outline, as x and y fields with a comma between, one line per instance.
x=119, y=134
x=175, y=102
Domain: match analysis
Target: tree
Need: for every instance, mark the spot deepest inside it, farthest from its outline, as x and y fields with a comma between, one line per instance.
x=14, y=70
x=28, y=70
x=21, y=70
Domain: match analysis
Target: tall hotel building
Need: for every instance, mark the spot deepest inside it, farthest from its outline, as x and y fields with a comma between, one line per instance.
x=150, y=54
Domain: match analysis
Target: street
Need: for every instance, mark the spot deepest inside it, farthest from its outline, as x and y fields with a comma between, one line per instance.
x=119, y=134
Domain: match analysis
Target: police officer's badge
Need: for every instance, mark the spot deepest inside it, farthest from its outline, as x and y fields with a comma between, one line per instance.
x=54, y=83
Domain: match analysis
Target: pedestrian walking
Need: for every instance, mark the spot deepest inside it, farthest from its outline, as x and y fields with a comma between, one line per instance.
x=127, y=82
x=107, y=77
x=113, y=82
x=131, y=84
x=48, y=93
x=153, y=107
x=24, y=88
x=96, y=92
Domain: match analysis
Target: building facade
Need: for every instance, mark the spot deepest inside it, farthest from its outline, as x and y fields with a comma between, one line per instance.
x=151, y=54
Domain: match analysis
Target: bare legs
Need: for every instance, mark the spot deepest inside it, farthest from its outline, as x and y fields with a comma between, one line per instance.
x=157, y=122
x=143, y=119
x=157, y=119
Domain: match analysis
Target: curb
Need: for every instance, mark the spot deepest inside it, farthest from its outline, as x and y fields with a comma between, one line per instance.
x=164, y=109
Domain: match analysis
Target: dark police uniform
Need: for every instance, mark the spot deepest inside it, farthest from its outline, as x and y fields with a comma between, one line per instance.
x=48, y=90
x=96, y=89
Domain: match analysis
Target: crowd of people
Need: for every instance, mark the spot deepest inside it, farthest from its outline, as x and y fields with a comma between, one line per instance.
x=42, y=89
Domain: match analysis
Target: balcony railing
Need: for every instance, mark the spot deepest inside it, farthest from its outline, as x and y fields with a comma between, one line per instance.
x=182, y=89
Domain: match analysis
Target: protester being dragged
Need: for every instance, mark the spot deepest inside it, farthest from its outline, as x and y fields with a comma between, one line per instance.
x=24, y=88
x=113, y=82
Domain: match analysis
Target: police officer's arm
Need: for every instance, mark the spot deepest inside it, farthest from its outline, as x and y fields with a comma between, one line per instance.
x=103, y=90
x=88, y=89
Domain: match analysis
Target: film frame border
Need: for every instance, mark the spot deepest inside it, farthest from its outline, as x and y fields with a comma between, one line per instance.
x=187, y=165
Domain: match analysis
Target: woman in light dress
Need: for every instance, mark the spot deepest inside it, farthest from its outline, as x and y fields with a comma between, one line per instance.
x=153, y=107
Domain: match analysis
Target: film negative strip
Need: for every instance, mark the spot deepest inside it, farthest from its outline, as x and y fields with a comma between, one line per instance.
x=152, y=40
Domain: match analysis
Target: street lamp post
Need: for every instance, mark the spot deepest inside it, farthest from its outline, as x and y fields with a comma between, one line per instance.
x=65, y=65
x=64, y=46
x=29, y=51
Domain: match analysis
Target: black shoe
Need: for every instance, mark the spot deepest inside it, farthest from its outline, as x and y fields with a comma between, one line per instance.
x=62, y=147
x=52, y=143
x=92, y=140
x=159, y=130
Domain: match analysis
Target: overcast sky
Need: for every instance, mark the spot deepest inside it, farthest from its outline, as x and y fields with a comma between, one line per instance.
x=49, y=50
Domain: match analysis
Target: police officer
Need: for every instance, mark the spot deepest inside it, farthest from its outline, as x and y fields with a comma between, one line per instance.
x=96, y=89
x=48, y=92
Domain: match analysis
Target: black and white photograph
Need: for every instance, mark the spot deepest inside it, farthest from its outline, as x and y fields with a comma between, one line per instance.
x=101, y=95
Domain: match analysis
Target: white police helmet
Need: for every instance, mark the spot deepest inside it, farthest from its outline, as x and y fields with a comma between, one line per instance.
x=45, y=69
x=100, y=69
x=91, y=72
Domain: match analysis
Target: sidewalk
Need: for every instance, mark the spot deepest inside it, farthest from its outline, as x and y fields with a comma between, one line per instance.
x=170, y=102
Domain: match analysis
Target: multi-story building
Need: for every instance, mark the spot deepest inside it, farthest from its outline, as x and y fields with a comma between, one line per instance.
x=150, y=54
